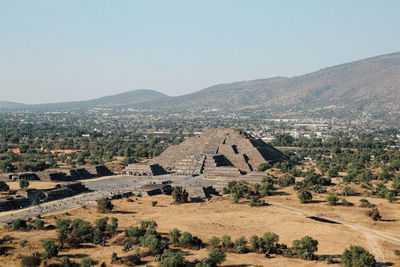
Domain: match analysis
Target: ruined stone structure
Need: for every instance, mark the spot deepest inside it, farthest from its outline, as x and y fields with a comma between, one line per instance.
x=61, y=174
x=29, y=196
x=218, y=153
x=140, y=169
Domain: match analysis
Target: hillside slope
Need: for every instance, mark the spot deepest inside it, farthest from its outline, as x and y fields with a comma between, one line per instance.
x=368, y=84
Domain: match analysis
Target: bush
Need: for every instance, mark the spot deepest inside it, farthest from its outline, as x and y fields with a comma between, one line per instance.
x=51, y=250
x=358, y=256
x=332, y=200
x=65, y=262
x=374, y=214
x=214, y=241
x=19, y=224
x=180, y=195
x=216, y=256
x=39, y=224
x=30, y=261
x=23, y=183
x=104, y=205
x=263, y=166
x=240, y=245
x=305, y=247
x=304, y=196
x=175, y=234
x=172, y=259
x=186, y=240
x=364, y=203
x=132, y=260
x=346, y=203
x=87, y=262
x=347, y=191
x=226, y=242
x=154, y=203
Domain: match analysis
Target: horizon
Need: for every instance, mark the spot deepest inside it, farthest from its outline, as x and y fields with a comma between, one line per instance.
x=63, y=52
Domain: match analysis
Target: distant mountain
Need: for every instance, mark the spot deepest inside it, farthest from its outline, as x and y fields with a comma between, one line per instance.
x=128, y=98
x=8, y=104
x=371, y=84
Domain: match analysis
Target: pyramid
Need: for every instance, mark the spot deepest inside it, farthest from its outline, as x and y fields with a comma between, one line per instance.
x=218, y=152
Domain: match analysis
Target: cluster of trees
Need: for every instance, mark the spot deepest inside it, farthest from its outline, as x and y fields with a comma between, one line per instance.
x=33, y=140
x=240, y=189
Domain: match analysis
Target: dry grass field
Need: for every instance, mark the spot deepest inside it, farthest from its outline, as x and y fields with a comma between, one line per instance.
x=220, y=217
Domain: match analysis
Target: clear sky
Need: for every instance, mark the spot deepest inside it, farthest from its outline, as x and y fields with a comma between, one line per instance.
x=54, y=51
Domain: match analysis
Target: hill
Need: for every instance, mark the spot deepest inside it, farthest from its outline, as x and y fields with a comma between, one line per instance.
x=371, y=84
x=8, y=104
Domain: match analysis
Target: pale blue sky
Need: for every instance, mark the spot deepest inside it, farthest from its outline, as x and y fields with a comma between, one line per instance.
x=80, y=49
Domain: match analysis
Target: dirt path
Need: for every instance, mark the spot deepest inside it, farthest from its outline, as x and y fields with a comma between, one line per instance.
x=369, y=234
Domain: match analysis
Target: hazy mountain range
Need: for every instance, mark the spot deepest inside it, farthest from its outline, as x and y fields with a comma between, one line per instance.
x=371, y=84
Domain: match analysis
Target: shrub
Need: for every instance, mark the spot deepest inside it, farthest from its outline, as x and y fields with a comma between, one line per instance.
x=87, y=262
x=364, y=203
x=263, y=166
x=51, y=250
x=23, y=183
x=154, y=203
x=347, y=191
x=304, y=196
x=132, y=260
x=186, y=240
x=240, y=245
x=226, y=242
x=104, y=205
x=214, y=241
x=346, y=203
x=30, y=261
x=39, y=224
x=172, y=259
x=256, y=201
x=305, y=247
x=180, y=195
x=374, y=214
x=154, y=242
x=216, y=256
x=332, y=200
x=19, y=224
x=175, y=234
x=358, y=256
x=288, y=181
x=65, y=262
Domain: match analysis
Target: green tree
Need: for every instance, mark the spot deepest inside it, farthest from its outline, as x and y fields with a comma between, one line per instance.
x=87, y=262
x=23, y=183
x=304, y=196
x=356, y=256
x=180, y=195
x=305, y=247
x=216, y=256
x=104, y=205
x=175, y=235
x=51, y=250
x=332, y=200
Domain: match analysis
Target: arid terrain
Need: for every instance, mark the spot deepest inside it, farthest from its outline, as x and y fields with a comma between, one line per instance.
x=220, y=216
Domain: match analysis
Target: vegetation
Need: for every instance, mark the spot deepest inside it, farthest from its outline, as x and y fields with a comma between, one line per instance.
x=104, y=205
x=305, y=247
x=304, y=196
x=358, y=256
x=180, y=195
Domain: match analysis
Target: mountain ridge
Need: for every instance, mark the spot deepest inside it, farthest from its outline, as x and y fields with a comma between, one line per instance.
x=370, y=84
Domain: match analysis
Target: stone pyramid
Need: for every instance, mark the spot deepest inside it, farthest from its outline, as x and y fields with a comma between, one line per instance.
x=218, y=152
